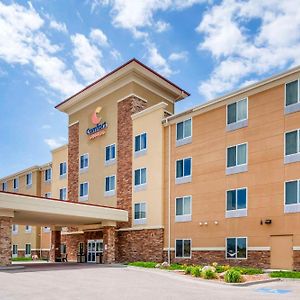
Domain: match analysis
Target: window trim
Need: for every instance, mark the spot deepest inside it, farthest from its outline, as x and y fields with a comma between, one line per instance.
x=64, y=175
x=15, y=231
x=242, y=166
x=112, y=160
x=4, y=186
x=298, y=92
x=140, y=186
x=88, y=162
x=29, y=230
x=183, y=179
x=293, y=157
x=236, y=237
x=12, y=250
x=47, y=195
x=45, y=171
x=184, y=257
x=110, y=193
x=239, y=212
x=140, y=221
x=17, y=180
x=66, y=193
x=28, y=255
x=237, y=122
x=185, y=140
x=28, y=185
x=295, y=207
x=85, y=197
x=184, y=217
x=46, y=229
x=141, y=151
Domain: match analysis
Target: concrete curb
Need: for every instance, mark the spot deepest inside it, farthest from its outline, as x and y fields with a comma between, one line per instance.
x=9, y=268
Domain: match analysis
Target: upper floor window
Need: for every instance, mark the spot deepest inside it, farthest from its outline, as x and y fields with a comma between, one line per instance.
x=15, y=228
x=29, y=179
x=292, y=196
x=110, y=185
x=84, y=190
x=183, y=248
x=183, y=170
x=236, y=247
x=183, y=209
x=63, y=194
x=183, y=132
x=46, y=229
x=140, y=176
x=48, y=195
x=110, y=153
x=16, y=183
x=62, y=168
x=48, y=174
x=236, y=159
x=236, y=203
x=4, y=186
x=140, y=142
x=84, y=161
x=292, y=146
x=292, y=97
x=139, y=213
x=28, y=228
x=237, y=112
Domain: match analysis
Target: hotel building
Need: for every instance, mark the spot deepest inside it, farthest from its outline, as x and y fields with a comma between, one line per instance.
x=217, y=183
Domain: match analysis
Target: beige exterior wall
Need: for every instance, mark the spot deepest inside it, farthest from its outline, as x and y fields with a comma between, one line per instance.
x=149, y=121
x=264, y=179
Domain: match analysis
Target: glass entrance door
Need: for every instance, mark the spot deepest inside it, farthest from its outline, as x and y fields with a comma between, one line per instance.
x=94, y=251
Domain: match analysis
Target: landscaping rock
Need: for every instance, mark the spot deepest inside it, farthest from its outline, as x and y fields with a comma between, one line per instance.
x=158, y=266
x=165, y=265
x=205, y=268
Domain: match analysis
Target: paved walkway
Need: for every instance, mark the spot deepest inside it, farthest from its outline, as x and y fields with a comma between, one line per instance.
x=82, y=281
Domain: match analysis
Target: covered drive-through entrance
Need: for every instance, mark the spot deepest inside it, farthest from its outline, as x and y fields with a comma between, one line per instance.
x=38, y=211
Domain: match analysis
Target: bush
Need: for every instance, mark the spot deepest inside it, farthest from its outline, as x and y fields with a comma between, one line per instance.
x=176, y=267
x=188, y=270
x=248, y=271
x=233, y=276
x=196, y=271
x=208, y=274
x=143, y=264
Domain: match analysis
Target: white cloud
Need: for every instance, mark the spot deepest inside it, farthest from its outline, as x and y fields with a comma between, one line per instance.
x=116, y=54
x=23, y=42
x=61, y=27
x=239, y=54
x=46, y=126
x=161, y=26
x=98, y=36
x=55, y=142
x=175, y=56
x=87, y=58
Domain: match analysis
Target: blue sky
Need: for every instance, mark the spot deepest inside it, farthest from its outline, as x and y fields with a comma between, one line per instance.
x=51, y=49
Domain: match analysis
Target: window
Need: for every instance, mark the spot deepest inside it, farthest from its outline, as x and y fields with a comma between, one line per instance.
x=292, y=196
x=28, y=229
x=110, y=185
x=62, y=169
x=46, y=229
x=292, y=146
x=237, y=111
x=140, y=176
x=184, y=130
x=292, y=92
x=139, y=213
x=63, y=248
x=183, y=209
x=4, y=186
x=236, y=158
x=236, y=199
x=110, y=153
x=47, y=195
x=15, y=251
x=28, y=250
x=183, y=170
x=140, y=142
x=84, y=161
x=63, y=194
x=236, y=248
x=183, y=248
x=48, y=174
x=15, y=228
x=29, y=179
x=84, y=190
x=16, y=183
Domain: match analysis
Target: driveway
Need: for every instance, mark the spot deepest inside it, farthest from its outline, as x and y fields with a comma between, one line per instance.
x=78, y=281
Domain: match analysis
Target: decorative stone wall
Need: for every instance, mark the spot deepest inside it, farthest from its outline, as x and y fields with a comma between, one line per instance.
x=109, y=239
x=55, y=245
x=73, y=162
x=259, y=259
x=140, y=245
x=296, y=258
x=5, y=241
x=126, y=108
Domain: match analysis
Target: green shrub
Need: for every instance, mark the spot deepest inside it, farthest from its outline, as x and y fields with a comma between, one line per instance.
x=21, y=259
x=176, y=267
x=196, y=271
x=248, y=271
x=233, y=276
x=143, y=264
x=208, y=274
x=285, y=274
x=188, y=270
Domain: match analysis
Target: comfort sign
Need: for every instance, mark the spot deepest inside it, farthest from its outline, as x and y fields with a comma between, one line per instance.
x=100, y=127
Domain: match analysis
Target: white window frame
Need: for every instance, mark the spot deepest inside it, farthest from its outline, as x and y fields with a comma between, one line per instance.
x=84, y=197
x=26, y=177
x=184, y=178
x=236, y=237
x=141, y=151
x=140, y=221
x=64, y=175
x=15, y=228
x=66, y=193
x=14, y=246
x=111, y=192
x=28, y=229
x=238, y=212
x=187, y=139
x=140, y=186
x=47, y=195
x=183, y=257
x=239, y=123
x=88, y=162
x=293, y=157
x=45, y=177
x=26, y=254
x=4, y=186
x=237, y=168
x=110, y=161
x=46, y=229
x=295, y=207
x=183, y=217
x=295, y=106
x=16, y=186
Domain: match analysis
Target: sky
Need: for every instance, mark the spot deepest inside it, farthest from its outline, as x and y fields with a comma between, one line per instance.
x=49, y=50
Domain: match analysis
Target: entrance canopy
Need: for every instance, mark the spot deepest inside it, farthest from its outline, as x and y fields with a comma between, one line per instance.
x=41, y=211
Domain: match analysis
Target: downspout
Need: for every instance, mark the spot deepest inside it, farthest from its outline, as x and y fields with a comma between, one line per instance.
x=169, y=194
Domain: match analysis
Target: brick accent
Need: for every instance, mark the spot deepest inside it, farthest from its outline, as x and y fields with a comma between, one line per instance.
x=140, y=245
x=55, y=245
x=73, y=162
x=126, y=108
x=296, y=258
x=5, y=241
x=259, y=259
x=109, y=239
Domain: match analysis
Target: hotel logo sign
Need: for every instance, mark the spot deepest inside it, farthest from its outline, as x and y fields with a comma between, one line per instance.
x=100, y=127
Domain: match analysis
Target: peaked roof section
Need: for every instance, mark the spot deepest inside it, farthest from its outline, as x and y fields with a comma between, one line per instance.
x=134, y=60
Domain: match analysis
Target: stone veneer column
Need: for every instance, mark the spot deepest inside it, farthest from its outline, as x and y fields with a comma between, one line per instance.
x=5, y=241
x=126, y=108
x=55, y=245
x=109, y=240
x=73, y=162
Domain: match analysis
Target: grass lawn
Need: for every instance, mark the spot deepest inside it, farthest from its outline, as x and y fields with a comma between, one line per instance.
x=21, y=259
x=285, y=274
